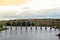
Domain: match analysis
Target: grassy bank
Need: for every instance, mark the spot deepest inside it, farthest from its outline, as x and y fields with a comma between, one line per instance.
x=1, y=29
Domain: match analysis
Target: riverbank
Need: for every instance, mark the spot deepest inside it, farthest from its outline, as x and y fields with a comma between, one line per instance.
x=1, y=29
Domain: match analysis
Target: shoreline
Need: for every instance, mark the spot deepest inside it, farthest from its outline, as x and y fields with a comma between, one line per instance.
x=1, y=29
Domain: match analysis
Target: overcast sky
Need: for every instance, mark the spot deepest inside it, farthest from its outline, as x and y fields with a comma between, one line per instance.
x=18, y=9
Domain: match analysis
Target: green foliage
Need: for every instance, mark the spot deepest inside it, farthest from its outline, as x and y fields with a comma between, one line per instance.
x=36, y=23
x=3, y=29
x=58, y=24
x=41, y=22
x=4, y=23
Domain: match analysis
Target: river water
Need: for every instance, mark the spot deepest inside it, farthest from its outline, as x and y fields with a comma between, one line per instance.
x=39, y=34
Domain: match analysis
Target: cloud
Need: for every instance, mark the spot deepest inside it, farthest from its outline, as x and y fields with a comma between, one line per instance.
x=12, y=2
x=32, y=9
x=49, y=13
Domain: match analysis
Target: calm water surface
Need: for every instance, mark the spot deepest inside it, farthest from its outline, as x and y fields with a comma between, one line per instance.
x=39, y=34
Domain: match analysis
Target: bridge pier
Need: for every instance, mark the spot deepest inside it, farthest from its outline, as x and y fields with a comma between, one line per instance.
x=50, y=28
x=40, y=27
x=26, y=25
x=11, y=25
x=31, y=25
x=36, y=28
x=16, y=25
x=45, y=28
x=21, y=25
x=55, y=28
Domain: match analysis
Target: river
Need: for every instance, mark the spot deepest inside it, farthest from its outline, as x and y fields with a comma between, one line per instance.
x=39, y=34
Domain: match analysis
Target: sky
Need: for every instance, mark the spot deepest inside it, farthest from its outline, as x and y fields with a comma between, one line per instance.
x=26, y=9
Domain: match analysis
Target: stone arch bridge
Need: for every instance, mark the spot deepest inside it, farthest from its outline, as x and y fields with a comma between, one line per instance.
x=31, y=22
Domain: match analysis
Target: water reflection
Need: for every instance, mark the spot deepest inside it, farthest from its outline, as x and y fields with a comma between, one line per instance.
x=21, y=32
x=31, y=28
x=45, y=28
x=41, y=28
x=41, y=33
x=55, y=29
x=36, y=28
x=5, y=32
x=21, y=28
x=50, y=28
x=10, y=28
x=10, y=33
x=16, y=28
x=26, y=28
x=58, y=34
